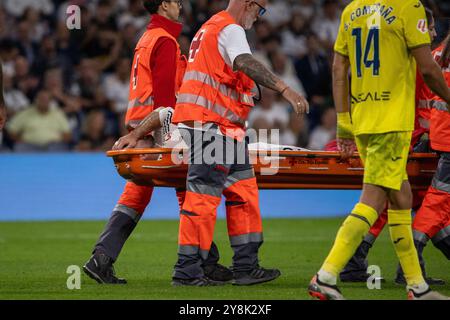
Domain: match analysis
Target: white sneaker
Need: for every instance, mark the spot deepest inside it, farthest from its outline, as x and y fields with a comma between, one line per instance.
x=427, y=295
x=323, y=291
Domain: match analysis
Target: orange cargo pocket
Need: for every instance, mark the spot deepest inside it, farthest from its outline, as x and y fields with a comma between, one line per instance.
x=238, y=220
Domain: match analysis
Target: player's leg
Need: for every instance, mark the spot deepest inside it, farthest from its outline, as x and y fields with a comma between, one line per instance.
x=348, y=238
x=121, y=224
x=399, y=218
x=427, y=222
x=400, y=229
x=431, y=218
x=211, y=266
x=354, y=228
x=356, y=268
x=399, y=212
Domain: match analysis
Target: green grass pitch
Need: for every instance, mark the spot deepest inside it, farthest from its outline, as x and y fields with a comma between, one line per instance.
x=34, y=257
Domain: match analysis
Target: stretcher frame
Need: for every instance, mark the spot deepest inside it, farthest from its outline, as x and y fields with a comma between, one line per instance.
x=292, y=170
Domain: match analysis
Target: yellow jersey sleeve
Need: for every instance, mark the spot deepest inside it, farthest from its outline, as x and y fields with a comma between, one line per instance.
x=341, y=44
x=415, y=26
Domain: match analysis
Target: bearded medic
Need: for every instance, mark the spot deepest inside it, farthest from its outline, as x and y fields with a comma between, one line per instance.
x=157, y=70
x=356, y=269
x=380, y=42
x=212, y=106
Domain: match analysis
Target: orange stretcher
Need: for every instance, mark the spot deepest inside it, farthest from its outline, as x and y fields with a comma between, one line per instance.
x=273, y=169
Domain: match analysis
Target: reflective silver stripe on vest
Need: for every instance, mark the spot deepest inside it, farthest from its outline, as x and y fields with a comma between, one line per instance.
x=441, y=186
x=239, y=176
x=420, y=236
x=135, y=103
x=204, y=189
x=216, y=108
x=133, y=214
x=439, y=105
x=192, y=251
x=246, y=238
x=441, y=235
x=423, y=104
x=225, y=90
x=201, y=77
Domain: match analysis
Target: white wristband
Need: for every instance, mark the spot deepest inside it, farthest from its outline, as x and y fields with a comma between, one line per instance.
x=165, y=118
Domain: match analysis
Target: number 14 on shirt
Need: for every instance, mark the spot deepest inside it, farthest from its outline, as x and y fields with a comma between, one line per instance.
x=371, y=44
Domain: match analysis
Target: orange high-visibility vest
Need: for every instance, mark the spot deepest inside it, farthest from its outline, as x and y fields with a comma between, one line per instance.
x=140, y=101
x=440, y=121
x=440, y=118
x=211, y=90
x=424, y=95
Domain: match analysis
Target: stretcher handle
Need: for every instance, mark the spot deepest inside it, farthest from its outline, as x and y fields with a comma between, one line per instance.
x=280, y=153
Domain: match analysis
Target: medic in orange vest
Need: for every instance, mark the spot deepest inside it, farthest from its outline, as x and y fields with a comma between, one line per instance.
x=432, y=221
x=157, y=70
x=212, y=107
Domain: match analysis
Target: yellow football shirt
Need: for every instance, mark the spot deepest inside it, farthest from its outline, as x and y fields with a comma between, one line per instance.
x=377, y=36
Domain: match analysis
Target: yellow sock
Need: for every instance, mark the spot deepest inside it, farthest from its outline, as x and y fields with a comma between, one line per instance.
x=349, y=237
x=402, y=238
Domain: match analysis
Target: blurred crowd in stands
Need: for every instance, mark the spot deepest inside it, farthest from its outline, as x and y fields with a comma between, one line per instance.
x=68, y=89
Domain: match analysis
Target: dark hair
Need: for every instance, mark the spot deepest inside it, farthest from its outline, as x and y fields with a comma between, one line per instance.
x=429, y=14
x=444, y=60
x=152, y=6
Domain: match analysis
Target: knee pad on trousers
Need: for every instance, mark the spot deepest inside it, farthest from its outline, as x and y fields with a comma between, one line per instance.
x=444, y=246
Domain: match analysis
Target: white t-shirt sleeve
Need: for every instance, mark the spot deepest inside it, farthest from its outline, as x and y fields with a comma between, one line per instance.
x=232, y=43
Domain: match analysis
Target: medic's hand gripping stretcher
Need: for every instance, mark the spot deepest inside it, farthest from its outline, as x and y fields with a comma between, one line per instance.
x=274, y=169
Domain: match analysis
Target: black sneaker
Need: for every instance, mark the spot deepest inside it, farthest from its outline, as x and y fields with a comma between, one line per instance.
x=196, y=282
x=354, y=276
x=358, y=276
x=435, y=281
x=255, y=276
x=218, y=273
x=100, y=268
